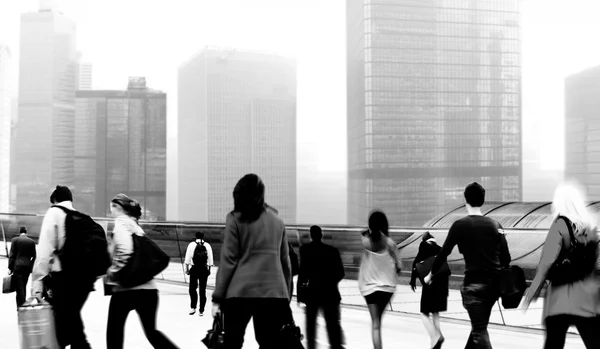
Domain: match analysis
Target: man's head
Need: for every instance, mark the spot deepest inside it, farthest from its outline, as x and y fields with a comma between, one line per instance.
x=316, y=234
x=474, y=195
x=23, y=230
x=61, y=194
x=199, y=235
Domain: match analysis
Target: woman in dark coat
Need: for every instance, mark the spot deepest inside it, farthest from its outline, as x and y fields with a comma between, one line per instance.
x=434, y=298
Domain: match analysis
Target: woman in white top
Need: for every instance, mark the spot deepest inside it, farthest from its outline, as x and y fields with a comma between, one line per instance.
x=379, y=267
x=143, y=298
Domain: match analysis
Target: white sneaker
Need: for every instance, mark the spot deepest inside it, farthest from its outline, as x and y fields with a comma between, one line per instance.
x=193, y=311
x=201, y=314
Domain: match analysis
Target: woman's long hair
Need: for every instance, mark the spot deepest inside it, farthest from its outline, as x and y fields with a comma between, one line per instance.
x=378, y=225
x=249, y=198
x=569, y=201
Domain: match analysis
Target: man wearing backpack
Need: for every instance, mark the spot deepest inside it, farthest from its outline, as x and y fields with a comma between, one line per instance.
x=198, y=260
x=72, y=253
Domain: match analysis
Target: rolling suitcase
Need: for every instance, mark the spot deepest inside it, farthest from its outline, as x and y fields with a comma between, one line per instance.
x=36, y=326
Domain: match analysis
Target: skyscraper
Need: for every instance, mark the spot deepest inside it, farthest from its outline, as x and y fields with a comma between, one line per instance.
x=44, y=132
x=582, y=130
x=6, y=98
x=236, y=115
x=433, y=104
x=84, y=73
x=121, y=147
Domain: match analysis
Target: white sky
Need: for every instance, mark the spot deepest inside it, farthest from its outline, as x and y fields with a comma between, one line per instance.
x=152, y=38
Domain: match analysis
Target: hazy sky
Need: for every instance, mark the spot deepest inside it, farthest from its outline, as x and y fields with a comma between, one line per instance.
x=152, y=38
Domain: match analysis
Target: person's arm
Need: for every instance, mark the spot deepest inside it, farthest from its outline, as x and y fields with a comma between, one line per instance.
x=209, y=252
x=415, y=274
x=123, y=249
x=550, y=252
x=12, y=256
x=47, y=245
x=339, y=266
x=504, y=251
x=189, y=254
x=451, y=241
x=33, y=254
x=286, y=263
x=230, y=254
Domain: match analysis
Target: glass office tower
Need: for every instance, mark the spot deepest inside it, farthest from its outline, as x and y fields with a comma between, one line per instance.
x=433, y=104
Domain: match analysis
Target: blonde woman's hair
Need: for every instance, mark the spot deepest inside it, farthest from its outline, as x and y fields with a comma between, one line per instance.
x=570, y=201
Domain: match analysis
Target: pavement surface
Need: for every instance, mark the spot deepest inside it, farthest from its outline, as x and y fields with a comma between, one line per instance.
x=399, y=329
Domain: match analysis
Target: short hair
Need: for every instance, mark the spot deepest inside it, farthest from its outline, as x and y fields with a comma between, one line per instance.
x=61, y=194
x=131, y=207
x=199, y=235
x=316, y=234
x=23, y=230
x=475, y=194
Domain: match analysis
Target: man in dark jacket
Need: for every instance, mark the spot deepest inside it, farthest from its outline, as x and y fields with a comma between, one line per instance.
x=20, y=263
x=321, y=270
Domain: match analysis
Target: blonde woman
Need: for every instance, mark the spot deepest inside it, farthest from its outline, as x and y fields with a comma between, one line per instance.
x=575, y=302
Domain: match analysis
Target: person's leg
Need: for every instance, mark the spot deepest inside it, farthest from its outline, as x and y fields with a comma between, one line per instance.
x=430, y=328
x=118, y=310
x=269, y=317
x=436, y=324
x=331, y=312
x=588, y=330
x=20, y=281
x=312, y=311
x=77, y=300
x=376, y=304
x=478, y=303
x=193, y=290
x=556, y=331
x=236, y=316
x=146, y=305
x=203, y=281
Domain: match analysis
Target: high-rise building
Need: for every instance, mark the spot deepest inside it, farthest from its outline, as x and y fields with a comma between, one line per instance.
x=433, y=103
x=582, y=130
x=121, y=147
x=44, y=132
x=236, y=115
x=6, y=98
x=84, y=73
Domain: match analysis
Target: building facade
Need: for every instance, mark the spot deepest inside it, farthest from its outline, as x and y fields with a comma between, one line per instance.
x=582, y=130
x=84, y=73
x=6, y=101
x=120, y=147
x=433, y=104
x=236, y=115
x=44, y=131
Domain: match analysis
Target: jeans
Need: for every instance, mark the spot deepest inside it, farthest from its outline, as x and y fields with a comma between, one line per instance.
x=479, y=299
x=20, y=279
x=331, y=313
x=145, y=303
x=198, y=278
x=268, y=315
x=67, y=301
x=558, y=325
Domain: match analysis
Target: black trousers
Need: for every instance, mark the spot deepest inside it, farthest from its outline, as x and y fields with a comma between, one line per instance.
x=558, y=325
x=67, y=302
x=479, y=299
x=268, y=315
x=331, y=313
x=198, y=280
x=20, y=279
x=145, y=303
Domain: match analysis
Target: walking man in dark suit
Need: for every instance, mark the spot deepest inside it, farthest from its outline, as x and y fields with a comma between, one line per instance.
x=20, y=262
x=321, y=270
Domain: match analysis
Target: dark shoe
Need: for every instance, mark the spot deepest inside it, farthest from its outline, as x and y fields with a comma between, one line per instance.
x=439, y=343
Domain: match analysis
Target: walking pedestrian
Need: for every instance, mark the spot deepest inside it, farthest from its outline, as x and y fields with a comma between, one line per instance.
x=20, y=263
x=198, y=261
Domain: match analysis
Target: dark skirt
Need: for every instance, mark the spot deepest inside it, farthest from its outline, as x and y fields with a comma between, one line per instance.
x=434, y=298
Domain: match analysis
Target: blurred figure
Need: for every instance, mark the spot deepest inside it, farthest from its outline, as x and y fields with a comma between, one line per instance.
x=20, y=263
x=198, y=260
x=434, y=298
x=574, y=303
x=378, y=271
x=321, y=270
x=482, y=242
x=254, y=276
x=143, y=298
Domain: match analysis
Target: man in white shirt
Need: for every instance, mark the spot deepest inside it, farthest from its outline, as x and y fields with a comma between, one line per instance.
x=67, y=297
x=198, y=260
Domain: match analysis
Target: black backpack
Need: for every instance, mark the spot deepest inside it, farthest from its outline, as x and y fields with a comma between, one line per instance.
x=200, y=255
x=575, y=262
x=147, y=261
x=84, y=255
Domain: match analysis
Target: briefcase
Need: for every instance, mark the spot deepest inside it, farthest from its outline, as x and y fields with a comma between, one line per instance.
x=424, y=268
x=8, y=286
x=36, y=326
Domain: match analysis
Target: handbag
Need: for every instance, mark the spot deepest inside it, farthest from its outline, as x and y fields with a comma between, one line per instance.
x=37, y=327
x=513, y=287
x=424, y=268
x=8, y=286
x=215, y=337
x=147, y=261
x=289, y=336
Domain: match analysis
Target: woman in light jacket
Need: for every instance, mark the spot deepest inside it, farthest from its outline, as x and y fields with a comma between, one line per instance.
x=143, y=298
x=379, y=268
x=576, y=303
x=254, y=276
